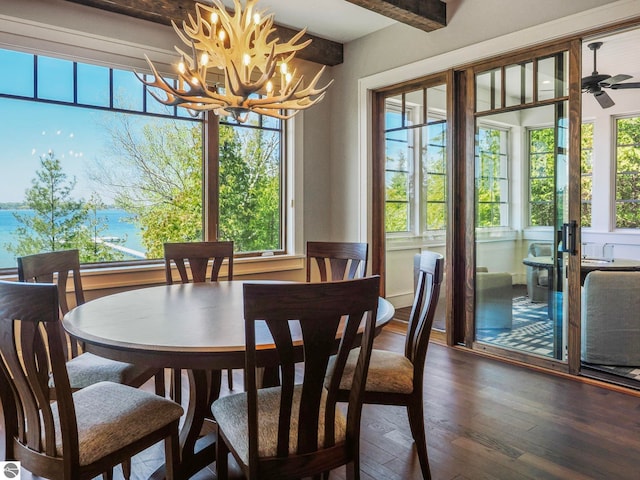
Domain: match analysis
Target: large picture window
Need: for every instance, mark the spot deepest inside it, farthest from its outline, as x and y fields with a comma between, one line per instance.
x=91, y=161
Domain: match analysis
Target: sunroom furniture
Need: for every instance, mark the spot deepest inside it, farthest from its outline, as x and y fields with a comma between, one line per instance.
x=336, y=260
x=81, y=434
x=611, y=318
x=494, y=300
x=538, y=279
x=297, y=430
x=193, y=260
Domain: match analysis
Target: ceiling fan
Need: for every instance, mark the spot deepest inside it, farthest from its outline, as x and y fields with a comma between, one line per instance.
x=595, y=82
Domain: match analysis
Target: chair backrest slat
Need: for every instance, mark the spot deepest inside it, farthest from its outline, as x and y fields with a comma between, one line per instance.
x=314, y=314
x=55, y=267
x=430, y=271
x=29, y=353
x=195, y=257
x=337, y=261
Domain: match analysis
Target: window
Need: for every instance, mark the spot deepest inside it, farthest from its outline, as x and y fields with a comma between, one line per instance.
x=492, y=177
x=627, y=172
x=415, y=167
x=91, y=161
x=541, y=144
x=586, y=174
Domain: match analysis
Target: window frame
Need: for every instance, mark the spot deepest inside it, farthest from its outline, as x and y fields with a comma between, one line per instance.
x=505, y=160
x=616, y=146
x=210, y=157
x=417, y=202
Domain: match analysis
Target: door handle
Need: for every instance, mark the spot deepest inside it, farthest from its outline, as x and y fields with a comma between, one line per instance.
x=569, y=237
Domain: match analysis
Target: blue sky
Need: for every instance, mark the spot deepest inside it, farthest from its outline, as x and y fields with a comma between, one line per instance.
x=32, y=129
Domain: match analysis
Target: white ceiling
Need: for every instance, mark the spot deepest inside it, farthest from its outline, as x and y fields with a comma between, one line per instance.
x=336, y=20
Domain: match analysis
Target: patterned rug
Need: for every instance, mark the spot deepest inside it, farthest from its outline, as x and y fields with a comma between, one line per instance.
x=532, y=330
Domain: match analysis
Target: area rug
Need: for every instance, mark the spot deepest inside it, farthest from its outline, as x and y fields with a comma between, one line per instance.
x=532, y=331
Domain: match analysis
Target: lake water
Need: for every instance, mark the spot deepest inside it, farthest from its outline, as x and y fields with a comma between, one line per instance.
x=114, y=220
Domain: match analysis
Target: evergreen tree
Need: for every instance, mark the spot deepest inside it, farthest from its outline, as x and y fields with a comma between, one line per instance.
x=56, y=221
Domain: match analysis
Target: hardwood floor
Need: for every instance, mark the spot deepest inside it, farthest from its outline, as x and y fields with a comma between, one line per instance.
x=488, y=420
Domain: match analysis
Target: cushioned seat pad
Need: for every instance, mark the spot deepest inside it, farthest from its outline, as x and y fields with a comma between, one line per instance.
x=111, y=415
x=388, y=372
x=231, y=414
x=87, y=369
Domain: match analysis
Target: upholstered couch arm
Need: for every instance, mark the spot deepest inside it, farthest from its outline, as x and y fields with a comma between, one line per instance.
x=611, y=318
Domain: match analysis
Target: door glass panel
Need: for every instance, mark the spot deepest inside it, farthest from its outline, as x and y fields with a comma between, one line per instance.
x=518, y=84
x=519, y=215
x=415, y=189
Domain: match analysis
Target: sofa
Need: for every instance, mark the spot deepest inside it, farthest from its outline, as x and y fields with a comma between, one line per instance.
x=611, y=318
x=538, y=277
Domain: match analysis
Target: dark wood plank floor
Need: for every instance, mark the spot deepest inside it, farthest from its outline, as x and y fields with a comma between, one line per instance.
x=488, y=420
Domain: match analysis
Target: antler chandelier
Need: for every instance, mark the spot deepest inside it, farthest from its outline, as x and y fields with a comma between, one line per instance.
x=239, y=45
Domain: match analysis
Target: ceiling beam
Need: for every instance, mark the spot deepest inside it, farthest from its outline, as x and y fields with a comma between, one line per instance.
x=325, y=52
x=427, y=15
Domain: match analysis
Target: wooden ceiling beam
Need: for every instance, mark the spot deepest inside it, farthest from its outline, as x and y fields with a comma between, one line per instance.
x=427, y=15
x=322, y=51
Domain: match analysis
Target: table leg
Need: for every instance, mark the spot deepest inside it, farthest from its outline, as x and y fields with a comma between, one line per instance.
x=197, y=452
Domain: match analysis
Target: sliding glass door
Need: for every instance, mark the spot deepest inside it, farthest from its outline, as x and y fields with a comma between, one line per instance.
x=523, y=231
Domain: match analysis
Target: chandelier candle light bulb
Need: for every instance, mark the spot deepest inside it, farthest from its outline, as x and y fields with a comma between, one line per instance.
x=245, y=49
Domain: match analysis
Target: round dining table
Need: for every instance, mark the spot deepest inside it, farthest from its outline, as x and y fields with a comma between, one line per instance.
x=198, y=327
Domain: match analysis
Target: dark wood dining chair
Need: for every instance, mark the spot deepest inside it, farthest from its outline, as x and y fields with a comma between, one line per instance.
x=297, y=430
x=337, y=260
x=83, y=368
x=81, y=434
x=394, y=378
x=196, y=262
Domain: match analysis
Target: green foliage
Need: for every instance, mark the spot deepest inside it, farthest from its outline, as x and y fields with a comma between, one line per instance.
x=157, y=172
x=541, y=177
x=250, y=194
x=58, y=221
x=491, y=178
x=397, y=206
x=399, y=180
x=628, y=173
x=586, y=171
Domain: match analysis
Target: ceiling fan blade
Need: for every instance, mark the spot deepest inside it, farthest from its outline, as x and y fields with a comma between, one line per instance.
x=615, y=79
x=604, y=99
x=617, y=86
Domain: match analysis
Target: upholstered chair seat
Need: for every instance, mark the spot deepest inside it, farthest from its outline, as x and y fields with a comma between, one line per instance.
x=389, y=372
x=231, y=414
x=87, y=369
x=111, y=415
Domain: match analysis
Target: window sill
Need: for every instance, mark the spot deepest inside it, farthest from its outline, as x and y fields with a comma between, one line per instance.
x=281, y=267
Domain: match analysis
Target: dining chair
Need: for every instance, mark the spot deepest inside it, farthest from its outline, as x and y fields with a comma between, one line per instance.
x=81, y=434
x=84, y=368
x=297, y=430
x=204, y=261
x=394, y=378
x=337, y=260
